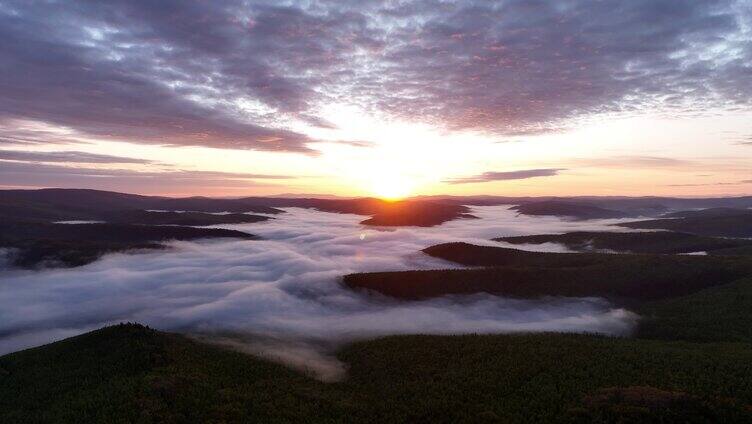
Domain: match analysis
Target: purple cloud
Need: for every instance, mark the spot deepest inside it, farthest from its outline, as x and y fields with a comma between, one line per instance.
x=650, y=162
x=508, y=175
x=68, y=156
x=34, y=175
x=234, y=74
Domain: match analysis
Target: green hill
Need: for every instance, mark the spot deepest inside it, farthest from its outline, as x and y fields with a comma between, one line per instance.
x=36, y=243
x=667, y=242
x=716, y=222
x=129, y=373
x=629, y=279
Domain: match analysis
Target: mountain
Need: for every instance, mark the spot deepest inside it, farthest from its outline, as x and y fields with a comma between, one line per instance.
x=666, y=242
x=132, y=373
x=421, y=214
x=130, y=222
x=710, y=213
x=80, y=204
x=567, y=209
x=716, y=222
x=34, y=244
x=180, y=218
x=48, y=205
x=633, y=206
x=624, y=279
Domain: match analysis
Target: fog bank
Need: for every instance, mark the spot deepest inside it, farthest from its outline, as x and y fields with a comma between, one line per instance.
x=281, y=298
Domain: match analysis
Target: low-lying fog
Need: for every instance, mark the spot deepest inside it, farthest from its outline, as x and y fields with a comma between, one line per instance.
x=281, y=297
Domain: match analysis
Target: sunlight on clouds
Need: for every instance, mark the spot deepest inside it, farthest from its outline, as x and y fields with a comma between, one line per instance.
x=368, y=155
x=391, y=187
x=404, y=158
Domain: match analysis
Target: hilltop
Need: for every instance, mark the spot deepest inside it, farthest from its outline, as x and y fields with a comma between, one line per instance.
x=130, y=373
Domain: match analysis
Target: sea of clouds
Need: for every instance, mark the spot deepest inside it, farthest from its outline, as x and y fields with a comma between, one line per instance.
x=281, y=297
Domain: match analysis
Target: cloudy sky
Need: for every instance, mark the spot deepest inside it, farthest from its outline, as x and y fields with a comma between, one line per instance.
x=378, y=98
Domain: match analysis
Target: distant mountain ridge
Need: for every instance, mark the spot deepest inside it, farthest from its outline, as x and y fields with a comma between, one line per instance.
x=652, y=242
x=68, y=204
x=567, y=209
x=48, y=205
x=641, y=205
x=31, y=237
x=35, y=243
x=714, y=222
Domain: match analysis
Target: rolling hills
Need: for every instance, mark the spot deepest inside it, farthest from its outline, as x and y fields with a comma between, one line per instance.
x=626, y=279
x=666, y=242
x=715, y=222
x=687, y=361
x=49, y=205
x=567, y=209
x=130, y=373
x=35, y=244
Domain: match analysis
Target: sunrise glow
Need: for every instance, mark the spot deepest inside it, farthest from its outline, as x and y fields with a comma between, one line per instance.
x=391, y=107
x=320, y=211
x=391, y=188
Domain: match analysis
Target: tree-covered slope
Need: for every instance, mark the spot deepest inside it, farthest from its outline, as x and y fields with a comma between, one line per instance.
x=130, y=373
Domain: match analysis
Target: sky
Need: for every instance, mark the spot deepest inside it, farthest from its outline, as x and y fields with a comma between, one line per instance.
x=378, y=98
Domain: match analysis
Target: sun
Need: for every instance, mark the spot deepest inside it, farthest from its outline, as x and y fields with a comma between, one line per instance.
x=391, y=188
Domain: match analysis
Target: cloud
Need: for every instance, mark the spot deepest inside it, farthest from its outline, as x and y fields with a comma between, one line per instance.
x=702, y=184
x=68, y=156
x=727, y=183
x=744, y=141
x=237, y=74
x=351, y=143
x=630, y=161
x=281, y=296
x=32, y=174
x=736, y=164
x=518, y=65
x=24, y=132
x=508, y=175
x=122, y=71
